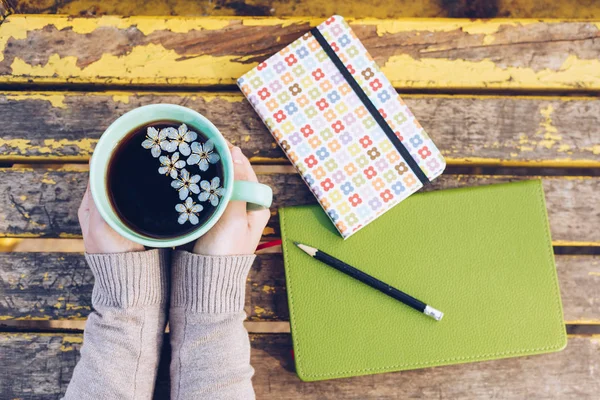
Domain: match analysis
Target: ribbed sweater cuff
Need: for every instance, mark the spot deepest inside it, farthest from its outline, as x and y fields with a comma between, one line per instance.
x=133, y=279
x=209, y=284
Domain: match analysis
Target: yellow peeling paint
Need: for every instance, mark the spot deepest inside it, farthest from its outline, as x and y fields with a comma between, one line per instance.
x=259, y=311
x=246, y=138
x=56, y=100
x=268, y=289
x=23, y=197
x=283, y=22
x=150, y=64
x=268, y=231
x=70, y=306
x=68, y=341
x=49, y=181
x=69, y=235
x=548, y=130
x=19, y=144
x=472, y=27
x=49, y=147
x=594, y=273
x=85, y=145
x=121, y=98
x=58, y=305
x=405, y=71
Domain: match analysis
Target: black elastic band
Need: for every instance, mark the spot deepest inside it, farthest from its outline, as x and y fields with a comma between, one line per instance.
x=370, y=106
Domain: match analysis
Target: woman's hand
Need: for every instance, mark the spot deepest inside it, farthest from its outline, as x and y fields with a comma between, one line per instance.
x=238, y=231
x=98, y=237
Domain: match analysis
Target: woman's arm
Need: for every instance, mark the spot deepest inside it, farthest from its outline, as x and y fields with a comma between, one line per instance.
x=210, y=356
x=123, y=335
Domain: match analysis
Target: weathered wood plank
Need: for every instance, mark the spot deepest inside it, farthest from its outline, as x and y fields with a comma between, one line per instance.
x=317, y=8
x=43, y=202
x=58, y=286
x=490, y=130
x=39, y=366
x=5, y=10
x=420, y=54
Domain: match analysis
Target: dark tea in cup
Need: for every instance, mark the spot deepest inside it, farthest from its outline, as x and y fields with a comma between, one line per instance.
x=165, y=179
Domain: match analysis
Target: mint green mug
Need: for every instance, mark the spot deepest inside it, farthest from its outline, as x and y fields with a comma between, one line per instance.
x=256, y=194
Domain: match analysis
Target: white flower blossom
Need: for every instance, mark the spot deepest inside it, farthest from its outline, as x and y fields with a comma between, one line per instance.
x=180, y=139
x=155, y=141
x=170, y=165
x=211, y=191
x=186, y=184
x=203, y=154
x=188, y=211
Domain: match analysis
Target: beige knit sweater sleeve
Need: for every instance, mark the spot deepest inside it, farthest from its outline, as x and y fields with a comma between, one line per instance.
x=123, y=336
x=124, y=333
x=210, y=356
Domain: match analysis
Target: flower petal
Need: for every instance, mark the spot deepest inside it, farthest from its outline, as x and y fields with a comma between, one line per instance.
x=203, y=164
x=190, y=136
x=194, y=188
x=214, y=200
x=185, y=175
x=216, y=181
x=213, y=158
x=180, y=208
x=164, y=160
x=165, y=145
x=175, y=157
x=193, y=159
x=184, y=148
x=152, y=133
x=205, y=185
x=163, y=170
x=196, y=147
x=169, y=146
x=194, y=219
x=173, y=173
x=188, y=203
x=183, y=217
x=179, y=164
x=203, y=196
x=220, y=191
x=197, y=208
x=155, y=151
x=209, y=145
x=195, y=179
x=162, y=135
x=182, y=129
x=183, y=193
x=176, y=184
x=148, y=143
x=172, y=133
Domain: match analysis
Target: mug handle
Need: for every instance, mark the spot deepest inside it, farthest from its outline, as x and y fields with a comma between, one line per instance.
x=255, y=194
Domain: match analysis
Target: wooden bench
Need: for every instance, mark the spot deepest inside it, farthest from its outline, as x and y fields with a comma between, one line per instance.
x=504, y=100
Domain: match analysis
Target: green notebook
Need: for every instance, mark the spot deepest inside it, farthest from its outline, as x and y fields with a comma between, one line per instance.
x=482, y=255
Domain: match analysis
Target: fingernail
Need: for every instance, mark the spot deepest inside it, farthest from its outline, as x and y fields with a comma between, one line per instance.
x=236, y=155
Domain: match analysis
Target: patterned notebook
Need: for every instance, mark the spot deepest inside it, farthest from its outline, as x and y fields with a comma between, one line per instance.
x=343, y=126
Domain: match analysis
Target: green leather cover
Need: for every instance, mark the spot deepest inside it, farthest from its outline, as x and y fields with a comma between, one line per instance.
x=482, y=255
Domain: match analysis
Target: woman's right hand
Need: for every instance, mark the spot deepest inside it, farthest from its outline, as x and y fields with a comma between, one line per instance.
x=239, y=230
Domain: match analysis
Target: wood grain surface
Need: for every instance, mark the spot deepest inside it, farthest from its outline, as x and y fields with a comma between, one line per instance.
x=40, y=367
x=58, y=286
x=349, y=8
x=43, y=202
x=469, y=130
x=419, y=54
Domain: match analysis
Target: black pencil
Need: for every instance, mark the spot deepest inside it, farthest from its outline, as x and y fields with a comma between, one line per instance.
x=371, y=281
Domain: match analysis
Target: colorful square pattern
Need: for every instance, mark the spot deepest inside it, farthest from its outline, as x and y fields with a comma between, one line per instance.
x=341, y=152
